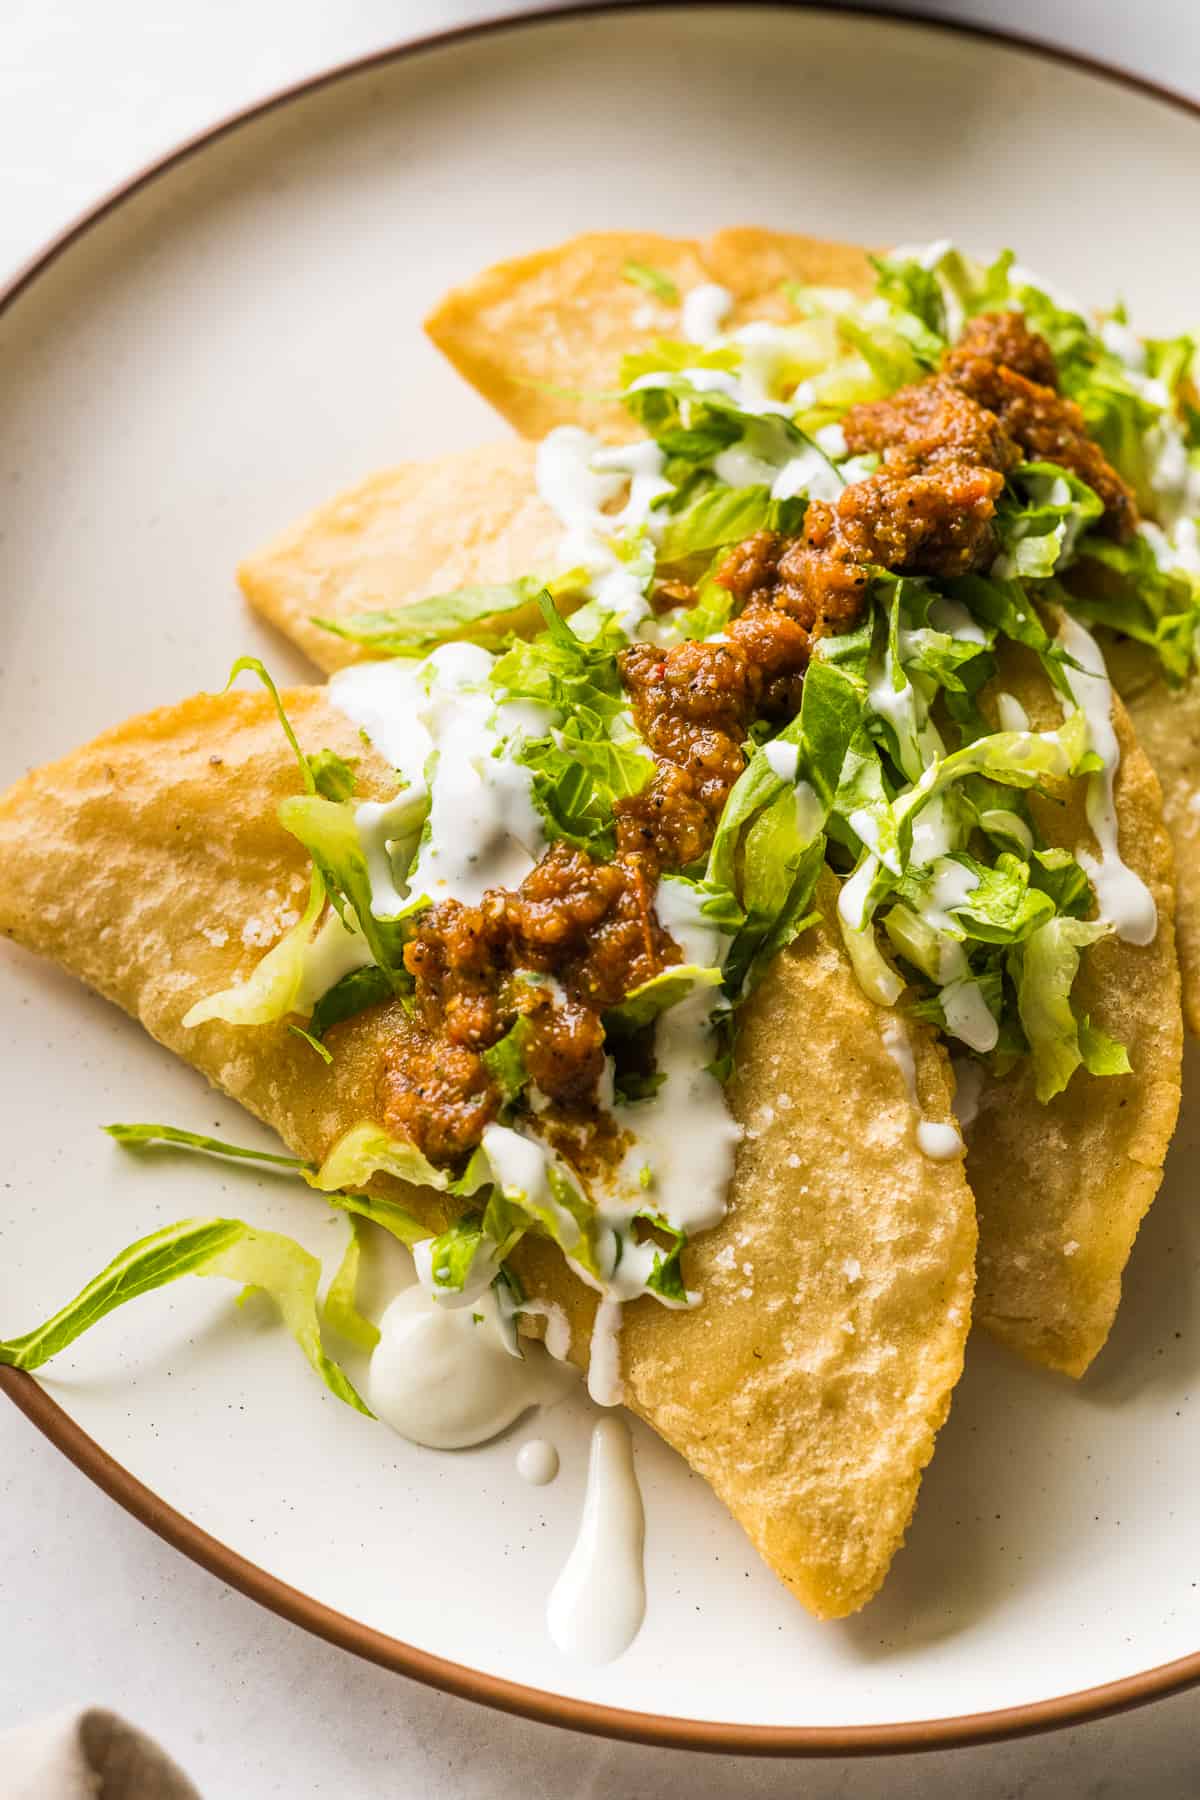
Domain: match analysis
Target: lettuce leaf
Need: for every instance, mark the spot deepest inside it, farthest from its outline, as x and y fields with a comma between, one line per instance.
x=832, y=707
x=594, y=758
x=470, y=1253
x=726, y=515
x=712, y=610
x=672, y=356
x=1021, y=759
x=131, y=1136
x=1044, y=512
x=890, y=353
x=1043, y=970
x=351, y=995
x=226, y=1247
x=389, y=1215
x=666, y=1273
x=505, y=1061
x=326, y=827
x=1123, y=587
x=484, y=612
x=643, y=1005
x=366, y=1150
x=271, y=989
x=721, y=516
x=653, y=280
x=329, y=832
x=1003, y=908
x=332, y=776
x=340, y=1311
x=905, y=283
x=251, y=665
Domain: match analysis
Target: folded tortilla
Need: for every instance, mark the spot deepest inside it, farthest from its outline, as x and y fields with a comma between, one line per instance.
x=1079, y=1172
x=520, y=333
x=415, y=530
x=808, y=1386
x=1167, y=723
x=1061, y=1189
x=542, y=336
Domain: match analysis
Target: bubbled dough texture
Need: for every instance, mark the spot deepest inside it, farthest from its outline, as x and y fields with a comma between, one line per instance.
x=136, y=847
x=1082, y=1170
x=542, y=336
x=540, y=317
x=1167, y=723
x=404, y=533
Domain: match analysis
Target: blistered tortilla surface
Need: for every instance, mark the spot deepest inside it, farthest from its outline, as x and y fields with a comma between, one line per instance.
x=542, y=336
x=1167, y=723
x=1062, y=1188
x=403, y=534
x=808, y=1386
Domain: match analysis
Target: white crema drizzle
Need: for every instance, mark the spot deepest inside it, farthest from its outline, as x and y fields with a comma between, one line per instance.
x=1122, y=896
x=483, y=828
x=580, y=479
x=483, y=831
x=447, y=1377
x=940, y=1142
x=598, y=1603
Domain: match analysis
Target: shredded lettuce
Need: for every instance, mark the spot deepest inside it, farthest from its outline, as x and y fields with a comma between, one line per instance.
x=505, y=1061
x=1043, y=970
x=594, y=757
x=341, y=1311
x=329, y=832
x=1124, y=587
x=907, y=284
x=644, y=275
x=643, y=1005
x=725, y=516
x=469, y=1254
x=389, y=1215
x=323, y=818
x=271, y=989
x=332, y=776
x=350, y=995
x=485, y=613
x=226, y=1247
x=669, y=355
x=366, y=1150
x=666, y=1272
x=132, y=1136
x=1044, y=513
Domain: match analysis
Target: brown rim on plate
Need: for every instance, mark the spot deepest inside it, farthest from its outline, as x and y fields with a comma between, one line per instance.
x=335, y=1627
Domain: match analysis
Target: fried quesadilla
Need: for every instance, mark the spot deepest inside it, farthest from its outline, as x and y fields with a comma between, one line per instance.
x=518, y=330
x=680, y=795
x=837, y=1291
x=1052, y=1249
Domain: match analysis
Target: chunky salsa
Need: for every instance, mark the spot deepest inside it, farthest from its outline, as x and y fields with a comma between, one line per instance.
x=579, y=933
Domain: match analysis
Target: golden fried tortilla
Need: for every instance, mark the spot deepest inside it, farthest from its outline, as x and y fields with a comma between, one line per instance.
x=542, y=336
x=1082, y=1170
x=809, y=1385
x=403, y=534
x=525, y=322
x=1062, y=1188
x=1167, y=723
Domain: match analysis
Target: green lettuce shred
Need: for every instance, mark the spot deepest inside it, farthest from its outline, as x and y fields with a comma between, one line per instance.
x=229, y=1248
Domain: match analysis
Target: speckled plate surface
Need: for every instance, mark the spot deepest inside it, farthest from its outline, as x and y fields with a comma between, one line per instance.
x=226, y=345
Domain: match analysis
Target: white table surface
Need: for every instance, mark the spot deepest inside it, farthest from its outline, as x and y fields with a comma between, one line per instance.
x=93, y=1608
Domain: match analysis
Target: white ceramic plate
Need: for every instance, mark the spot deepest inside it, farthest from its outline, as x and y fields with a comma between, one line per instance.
x=226, y=345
